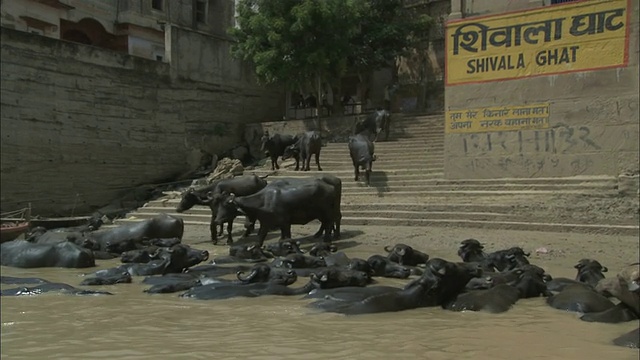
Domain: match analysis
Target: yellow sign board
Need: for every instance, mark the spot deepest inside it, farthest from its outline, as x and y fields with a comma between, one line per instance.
x=505, y=118
x=580, y=36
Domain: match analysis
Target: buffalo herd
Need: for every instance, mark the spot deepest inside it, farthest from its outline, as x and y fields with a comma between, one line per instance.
x=153, y=249
x=491, y=282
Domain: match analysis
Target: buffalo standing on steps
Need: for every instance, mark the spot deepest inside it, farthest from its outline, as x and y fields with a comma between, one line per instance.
x=361, y=151
x=274, y=146
x=309, y=143
x=213, y=194
x=286, y=202
x=374, y=123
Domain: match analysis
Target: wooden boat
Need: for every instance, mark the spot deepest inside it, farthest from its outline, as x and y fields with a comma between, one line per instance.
x=14, y=224
x=59, y=222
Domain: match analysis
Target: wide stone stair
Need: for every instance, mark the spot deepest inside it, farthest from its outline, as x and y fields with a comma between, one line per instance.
x=408, y=189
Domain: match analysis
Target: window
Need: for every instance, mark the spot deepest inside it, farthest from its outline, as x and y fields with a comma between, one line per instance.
x=156, y=4
x=553, y=2
x=159, y=57
x=201, y=11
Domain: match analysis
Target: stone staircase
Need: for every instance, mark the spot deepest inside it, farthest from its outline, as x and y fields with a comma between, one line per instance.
x=408, y=189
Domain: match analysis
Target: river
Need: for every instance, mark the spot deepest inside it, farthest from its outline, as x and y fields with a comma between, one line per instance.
x=134, y=325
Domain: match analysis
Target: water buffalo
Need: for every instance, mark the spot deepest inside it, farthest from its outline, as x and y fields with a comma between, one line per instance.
x=624, y=287
x=274, y=146
x=264, y=273
x=406, y=255
x=286, y=202
x=348, y=293
x=248, y=252
x=590, y=272
x=508, y=259
x=274, y=286
x=330, y=278
x=630, y=339
x=441, y=282
x=309, y=143
x=361, y=151
x=24, y=254
x=322, y=249
x=471, y=250
x=580, y=298
x=173, y=260
x=213, y=194
x=110, y=279
x=50, y=287
x=160, y=226
x=284, y=248
x=300, y=261
x=374, y=123
x=381, y=266
x=140, y=256
x=497, y=299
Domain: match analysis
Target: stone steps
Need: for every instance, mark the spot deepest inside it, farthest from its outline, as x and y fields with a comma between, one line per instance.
x=630, y=230
x=408, y=189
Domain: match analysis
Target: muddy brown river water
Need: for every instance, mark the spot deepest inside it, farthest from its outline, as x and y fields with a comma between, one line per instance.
x=134, y=325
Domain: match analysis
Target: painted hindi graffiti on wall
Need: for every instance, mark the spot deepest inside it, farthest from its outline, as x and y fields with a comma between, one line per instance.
x=578, y=36
x=505, y=118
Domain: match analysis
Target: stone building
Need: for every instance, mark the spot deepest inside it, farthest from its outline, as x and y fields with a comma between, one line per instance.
x=99, y=97
x=135, y=27
x=541, y=88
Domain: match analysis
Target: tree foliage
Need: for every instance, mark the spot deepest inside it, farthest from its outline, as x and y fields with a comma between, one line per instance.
x=298, y=42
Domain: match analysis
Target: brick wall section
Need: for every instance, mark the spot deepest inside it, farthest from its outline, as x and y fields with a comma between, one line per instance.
x=81, y=125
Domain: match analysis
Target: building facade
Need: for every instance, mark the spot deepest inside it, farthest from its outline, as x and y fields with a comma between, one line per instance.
x=135, y=27
x=541, y=88
x=100, y=97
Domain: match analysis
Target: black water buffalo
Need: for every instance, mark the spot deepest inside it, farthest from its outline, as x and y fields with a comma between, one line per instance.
x=50, y=287
x=497, y=299
x=248, y=252
x=274, y=286
x=213, y=194
x=441, y=282
x=630, y=339
x=580, y=298
x=309, y=143
x=110, y=279
x=12, y=280
x=625, y=288
x=508, y=259
x=24, y=254
x=406, y=255
x=160, y=226
x=264, y=273
x=374, y=123
x=286, y=202
x=590, y=272
x=381, y=266
x=348, y=293
x=173, y=260
x=274, y=146
x=300, y=261
x=471, y=250
x=284, y=248
x=361, y=151
x=322, y=249
x=140, y=256
x=330, y=278
x=41, y=235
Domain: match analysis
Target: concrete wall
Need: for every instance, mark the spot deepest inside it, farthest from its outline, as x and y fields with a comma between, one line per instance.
x=592, y=120
x=80, y=124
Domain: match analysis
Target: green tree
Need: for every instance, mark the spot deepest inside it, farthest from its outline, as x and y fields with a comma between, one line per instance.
x=307, y=42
